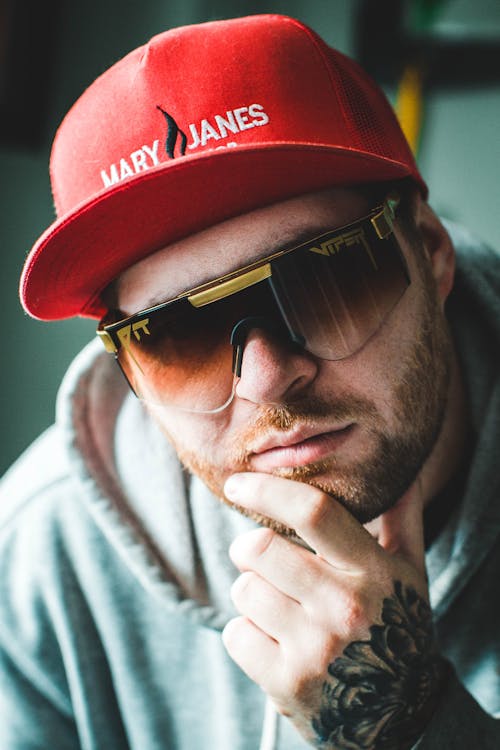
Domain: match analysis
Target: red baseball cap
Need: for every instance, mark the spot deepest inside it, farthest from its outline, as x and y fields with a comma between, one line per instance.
x=203, y=123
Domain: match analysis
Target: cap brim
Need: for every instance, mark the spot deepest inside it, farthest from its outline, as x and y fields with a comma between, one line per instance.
x=83, y=251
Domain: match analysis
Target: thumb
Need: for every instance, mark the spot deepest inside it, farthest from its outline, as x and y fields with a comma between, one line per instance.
x=401, y=529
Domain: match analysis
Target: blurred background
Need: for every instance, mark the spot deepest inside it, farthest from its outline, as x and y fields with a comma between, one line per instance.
x=438, y=61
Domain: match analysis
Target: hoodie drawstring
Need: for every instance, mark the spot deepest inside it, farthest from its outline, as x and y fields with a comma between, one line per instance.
x=270, y=728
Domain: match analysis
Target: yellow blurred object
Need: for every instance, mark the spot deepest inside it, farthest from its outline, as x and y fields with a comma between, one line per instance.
x=409, y=105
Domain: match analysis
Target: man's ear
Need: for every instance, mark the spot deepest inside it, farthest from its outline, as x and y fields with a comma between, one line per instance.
x=438, y=246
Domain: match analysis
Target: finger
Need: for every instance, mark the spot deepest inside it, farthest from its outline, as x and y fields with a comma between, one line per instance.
x=256, y=653
x=401, y=529
x=296, y=572
x=272, y=611
x=317, y=518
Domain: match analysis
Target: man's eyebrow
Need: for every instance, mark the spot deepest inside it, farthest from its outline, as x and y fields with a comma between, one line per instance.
x=305, y=235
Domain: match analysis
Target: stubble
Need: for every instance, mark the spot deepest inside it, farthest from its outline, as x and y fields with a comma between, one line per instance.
x=370, y=487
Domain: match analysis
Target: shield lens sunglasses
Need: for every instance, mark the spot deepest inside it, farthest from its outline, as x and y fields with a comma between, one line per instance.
x=327, y=296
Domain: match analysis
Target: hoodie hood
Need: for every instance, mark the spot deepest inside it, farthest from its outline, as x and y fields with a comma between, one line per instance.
x=473, y=310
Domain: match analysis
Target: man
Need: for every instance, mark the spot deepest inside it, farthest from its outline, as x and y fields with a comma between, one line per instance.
x=239, y=209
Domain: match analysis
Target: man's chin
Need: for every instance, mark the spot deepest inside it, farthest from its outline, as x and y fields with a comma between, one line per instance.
x=352, y=494
x=366, y=491
x=363, y=515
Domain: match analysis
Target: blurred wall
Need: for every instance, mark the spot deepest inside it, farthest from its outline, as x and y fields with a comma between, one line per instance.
x=460, y=157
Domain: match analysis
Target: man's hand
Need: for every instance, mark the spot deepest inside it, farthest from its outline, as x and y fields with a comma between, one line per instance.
x=338, y=635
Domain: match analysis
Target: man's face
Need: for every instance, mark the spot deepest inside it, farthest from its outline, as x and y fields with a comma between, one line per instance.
x=359, y=428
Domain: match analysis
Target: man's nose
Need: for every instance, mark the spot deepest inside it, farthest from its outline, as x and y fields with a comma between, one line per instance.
x=272, y=370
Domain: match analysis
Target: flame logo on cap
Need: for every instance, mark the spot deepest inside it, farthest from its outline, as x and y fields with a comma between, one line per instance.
x=173, y=133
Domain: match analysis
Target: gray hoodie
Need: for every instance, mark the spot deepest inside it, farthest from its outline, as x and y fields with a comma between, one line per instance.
x=115, y=578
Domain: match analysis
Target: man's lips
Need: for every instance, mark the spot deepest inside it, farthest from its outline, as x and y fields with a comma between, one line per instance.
x=287, y=450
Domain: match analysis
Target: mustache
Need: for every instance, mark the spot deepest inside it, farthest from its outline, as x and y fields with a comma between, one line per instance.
x=308, y=411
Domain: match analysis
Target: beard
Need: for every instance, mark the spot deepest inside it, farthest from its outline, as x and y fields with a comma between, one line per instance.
x=369, y=487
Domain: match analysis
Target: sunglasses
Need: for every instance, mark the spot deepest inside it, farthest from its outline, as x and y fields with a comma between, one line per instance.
x=327, y=296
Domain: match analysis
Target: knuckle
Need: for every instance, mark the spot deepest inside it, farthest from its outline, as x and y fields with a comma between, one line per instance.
x=314, y=512
x=264, y=539
x=354, y=615
x=242, y=586
x=355, y=611
x=234, y=633
x=343, y=612
x=247, y=548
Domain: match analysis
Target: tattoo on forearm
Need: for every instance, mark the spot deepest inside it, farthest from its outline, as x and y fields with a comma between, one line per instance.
x=382, y=692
